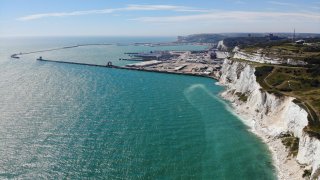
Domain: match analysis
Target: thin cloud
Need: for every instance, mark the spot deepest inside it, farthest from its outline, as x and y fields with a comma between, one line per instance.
x=131, y=7
x=162, y=7
x=230, y=15
x=240, y=2
x=62, y=14
x=282, y=3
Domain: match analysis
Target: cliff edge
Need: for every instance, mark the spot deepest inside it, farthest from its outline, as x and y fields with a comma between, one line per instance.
x=277, y=119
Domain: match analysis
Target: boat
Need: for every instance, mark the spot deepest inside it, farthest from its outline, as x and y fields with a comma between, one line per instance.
x=15, y=56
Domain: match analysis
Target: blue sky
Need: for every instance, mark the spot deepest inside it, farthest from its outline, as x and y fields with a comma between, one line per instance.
x=155, y=18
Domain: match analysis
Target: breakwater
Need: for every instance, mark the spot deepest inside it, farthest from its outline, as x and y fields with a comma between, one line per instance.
x=109, y=65
x=17, y=55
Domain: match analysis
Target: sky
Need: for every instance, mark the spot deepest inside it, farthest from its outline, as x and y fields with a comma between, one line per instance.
x=156, y=17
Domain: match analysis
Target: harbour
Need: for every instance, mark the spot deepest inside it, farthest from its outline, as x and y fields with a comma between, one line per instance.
x=204, y=63
x=141, y=68
x=86, y=119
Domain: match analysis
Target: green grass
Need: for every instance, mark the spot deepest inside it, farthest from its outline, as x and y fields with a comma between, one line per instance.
x=313, y=131
x=278, y=78
x=242, y=97
x=291, y=143
x=287, y=50
x=261, y=73
x=306, y=173
x=251, y=49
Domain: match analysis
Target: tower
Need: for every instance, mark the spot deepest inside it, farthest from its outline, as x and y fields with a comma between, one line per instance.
x=294, y=35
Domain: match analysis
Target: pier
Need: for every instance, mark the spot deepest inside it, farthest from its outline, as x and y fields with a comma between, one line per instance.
x=17, y=55
x=109, y=65
x=192, y=63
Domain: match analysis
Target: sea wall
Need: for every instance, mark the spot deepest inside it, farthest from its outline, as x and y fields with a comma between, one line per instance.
x=271, y=116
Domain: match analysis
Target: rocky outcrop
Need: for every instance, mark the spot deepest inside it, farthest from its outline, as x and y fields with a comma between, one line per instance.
x=270, y=116
x=309, y=154
x=221, y=46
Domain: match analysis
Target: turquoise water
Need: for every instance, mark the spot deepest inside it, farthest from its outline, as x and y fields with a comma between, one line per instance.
x=71, y=121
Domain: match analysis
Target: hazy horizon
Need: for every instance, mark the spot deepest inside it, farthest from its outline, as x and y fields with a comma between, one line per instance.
x=158, y=18
x=146, y=36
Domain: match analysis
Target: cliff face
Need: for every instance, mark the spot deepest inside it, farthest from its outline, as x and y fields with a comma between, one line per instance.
x=261, y=58
x=309, y=153
x=221, y=46
x=271, y=116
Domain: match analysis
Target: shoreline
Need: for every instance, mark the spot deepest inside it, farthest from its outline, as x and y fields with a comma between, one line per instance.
x=250, y=123
x=286, y=167
x=272, y=143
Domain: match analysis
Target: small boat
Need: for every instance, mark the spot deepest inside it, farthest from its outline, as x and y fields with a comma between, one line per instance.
x=15, y=56
x=40, y=58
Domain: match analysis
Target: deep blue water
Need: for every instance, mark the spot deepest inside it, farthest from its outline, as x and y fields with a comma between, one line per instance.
x=71, y=121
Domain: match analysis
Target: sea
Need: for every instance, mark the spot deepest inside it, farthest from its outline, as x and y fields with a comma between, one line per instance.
x=68, y=121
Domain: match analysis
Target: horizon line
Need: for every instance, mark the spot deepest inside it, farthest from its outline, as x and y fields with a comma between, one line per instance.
x=105, y=35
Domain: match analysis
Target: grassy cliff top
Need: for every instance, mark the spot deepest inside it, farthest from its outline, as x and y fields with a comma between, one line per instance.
x=305, y=52
x=303, y=83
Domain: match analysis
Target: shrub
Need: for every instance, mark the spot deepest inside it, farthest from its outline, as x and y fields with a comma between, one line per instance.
x=292, y=144
x=306, y=173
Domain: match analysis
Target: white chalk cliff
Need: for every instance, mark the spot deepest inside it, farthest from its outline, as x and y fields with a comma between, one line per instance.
x=221, y=46
x=262, y=58
x=270, y=116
